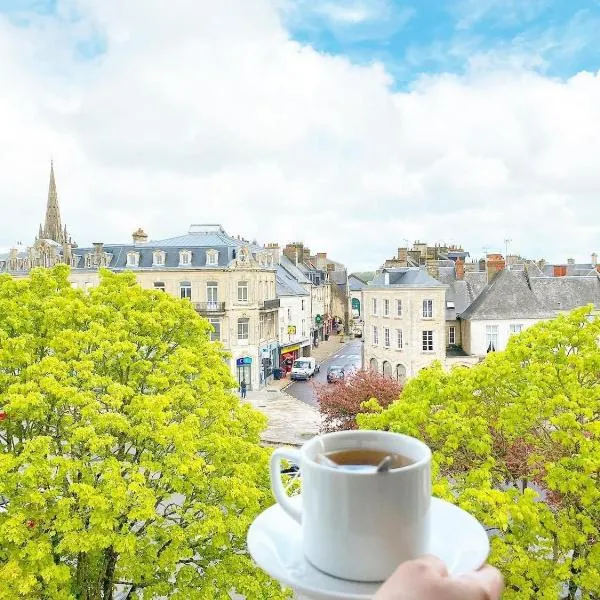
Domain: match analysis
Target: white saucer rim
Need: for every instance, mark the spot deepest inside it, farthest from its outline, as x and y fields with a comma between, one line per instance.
x=297, y=585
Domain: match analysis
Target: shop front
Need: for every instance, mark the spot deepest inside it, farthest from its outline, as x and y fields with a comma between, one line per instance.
x=289, y=353
x=269, y=359
x=244, y=370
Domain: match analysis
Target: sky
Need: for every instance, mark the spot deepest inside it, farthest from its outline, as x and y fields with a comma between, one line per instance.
x=355, y=126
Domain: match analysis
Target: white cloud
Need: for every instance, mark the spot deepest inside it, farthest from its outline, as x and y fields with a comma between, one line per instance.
x=208, y=112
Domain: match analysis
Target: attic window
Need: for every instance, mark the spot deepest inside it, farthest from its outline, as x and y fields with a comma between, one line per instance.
x=212, y=257
x=133, y=259
x=450, y=304
x=185, y=257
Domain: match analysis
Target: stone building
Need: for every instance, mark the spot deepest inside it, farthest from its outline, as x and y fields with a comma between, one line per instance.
x=228, y=280
x=404, y=316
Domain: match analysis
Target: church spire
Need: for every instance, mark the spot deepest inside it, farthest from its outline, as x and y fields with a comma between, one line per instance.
x=53, y=229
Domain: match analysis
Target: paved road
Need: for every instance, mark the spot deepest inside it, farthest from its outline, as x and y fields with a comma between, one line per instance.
x=349, y=355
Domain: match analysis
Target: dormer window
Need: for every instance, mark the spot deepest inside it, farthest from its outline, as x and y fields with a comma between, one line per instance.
x=133, y=259
x=212, y=258
x=185, y=258
x=158, y=258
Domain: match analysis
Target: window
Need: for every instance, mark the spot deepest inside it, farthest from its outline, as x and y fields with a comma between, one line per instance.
x=452, y=335
x=428, y=340
x=242, y=291
x=132, y=259
x=158, y=258
x=387, y=369
x=386, y=337
x=303, y=306
x=401, y=373
x=398, y=308
x=427, y=309
x=374, y=306
x=373, y=364
x=303, y=327
x=289, y=311
x=491, y=337
x=399, y=339
x=515, y=328
x=212, y=258
x=185, y=257
x=243, y=329
x=216, y=334
x=159, y=285
x=212, y=294
x=386, y=308
x=185, y=290
x=375, y=335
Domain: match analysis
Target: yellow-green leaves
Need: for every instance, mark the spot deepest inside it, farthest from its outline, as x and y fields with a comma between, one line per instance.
x=124, y=456
x=516, y=441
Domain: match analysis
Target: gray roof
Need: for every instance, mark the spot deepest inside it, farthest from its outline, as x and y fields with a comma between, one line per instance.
x=566, y=293
x=356, y=283
x=198, y=241
x=460, y=292
x=293, y=270
x=338, y=277
x=287, y=285
x=580, y=269
x=405, y=277
x=507, y=296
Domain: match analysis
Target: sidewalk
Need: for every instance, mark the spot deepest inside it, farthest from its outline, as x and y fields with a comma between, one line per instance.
x=291, y=421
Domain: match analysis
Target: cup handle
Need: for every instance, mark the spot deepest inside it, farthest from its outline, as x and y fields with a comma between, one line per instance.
x=276, y=484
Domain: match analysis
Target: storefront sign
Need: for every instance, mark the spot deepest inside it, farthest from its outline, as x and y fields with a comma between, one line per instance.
x=285, y=349
x=318, y=319
x=356, y=304
x=291, y=330
x=240, y=362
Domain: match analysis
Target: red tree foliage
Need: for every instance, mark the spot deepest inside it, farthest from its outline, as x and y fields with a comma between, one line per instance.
x=341, y=401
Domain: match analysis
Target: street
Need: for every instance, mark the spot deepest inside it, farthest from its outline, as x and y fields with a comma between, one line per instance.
x=348, y=356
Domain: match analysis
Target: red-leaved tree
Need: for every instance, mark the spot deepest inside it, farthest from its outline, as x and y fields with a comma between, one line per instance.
x=340, y=402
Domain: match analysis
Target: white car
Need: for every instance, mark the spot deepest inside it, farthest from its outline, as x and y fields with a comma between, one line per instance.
x=304, y=368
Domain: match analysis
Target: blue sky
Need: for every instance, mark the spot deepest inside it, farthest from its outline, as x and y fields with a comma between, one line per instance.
x=415, y=37
x=432, y=36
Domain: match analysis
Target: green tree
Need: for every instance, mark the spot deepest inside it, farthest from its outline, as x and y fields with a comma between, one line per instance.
x=516, y=441
x=127, y=465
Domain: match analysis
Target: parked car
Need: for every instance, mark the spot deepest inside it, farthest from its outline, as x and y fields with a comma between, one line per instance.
x=304, y=368
x=335, y=373
x=357, y=332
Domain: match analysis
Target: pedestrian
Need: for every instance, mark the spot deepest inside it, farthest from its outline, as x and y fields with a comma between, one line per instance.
x=243, y=388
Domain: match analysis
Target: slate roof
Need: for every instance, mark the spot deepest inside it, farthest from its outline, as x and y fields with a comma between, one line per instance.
x=293, y=270
x=288, y=286
x=566, y=293
x=365, y=276
x=507, y=296
x=405, y=277
x=579, y=269
x=338, y=277
x=198, y=241
x=356, y=283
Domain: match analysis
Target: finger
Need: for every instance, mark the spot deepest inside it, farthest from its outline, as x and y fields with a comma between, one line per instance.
x=488, y=579
x=433, y=564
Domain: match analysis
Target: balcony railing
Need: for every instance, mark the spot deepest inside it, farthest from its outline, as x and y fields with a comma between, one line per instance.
x=210, y=307
x=270, y=304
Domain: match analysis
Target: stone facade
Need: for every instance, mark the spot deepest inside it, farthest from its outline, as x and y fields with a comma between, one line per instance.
x=229, y=281
x=404, y=322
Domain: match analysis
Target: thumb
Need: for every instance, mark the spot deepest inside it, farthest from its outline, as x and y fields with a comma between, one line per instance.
x=488, y=579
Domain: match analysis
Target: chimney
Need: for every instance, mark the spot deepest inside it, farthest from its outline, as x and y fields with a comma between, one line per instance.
x=139, y=236
x=274, y=251
x=495, y=263
x=594, y=259
x=321, y=261
x=482, y=264
x=305, y=255
x=459, y=267
x=386, y=278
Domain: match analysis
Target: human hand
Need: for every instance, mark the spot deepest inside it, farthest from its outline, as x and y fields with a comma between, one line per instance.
x=427, y=579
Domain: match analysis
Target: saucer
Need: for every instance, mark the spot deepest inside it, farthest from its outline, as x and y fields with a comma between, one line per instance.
x=275, y=544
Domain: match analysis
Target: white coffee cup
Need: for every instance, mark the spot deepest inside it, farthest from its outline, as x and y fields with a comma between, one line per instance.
x=359, y=525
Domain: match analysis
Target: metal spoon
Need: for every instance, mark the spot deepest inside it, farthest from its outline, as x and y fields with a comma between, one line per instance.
x=385, y=464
